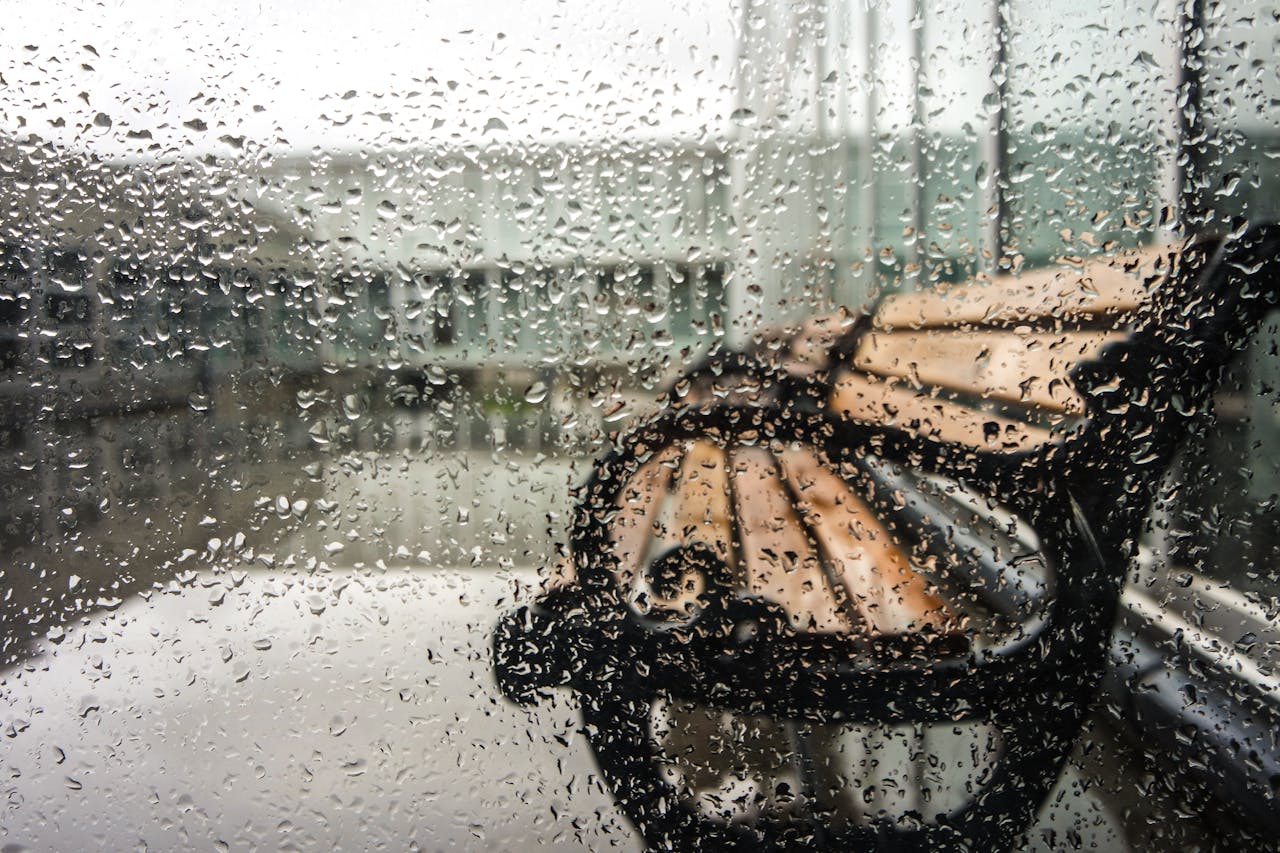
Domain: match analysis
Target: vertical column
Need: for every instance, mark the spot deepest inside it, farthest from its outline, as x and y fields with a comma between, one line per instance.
x=1182, y=193
x=997, y=144
x=774, y=123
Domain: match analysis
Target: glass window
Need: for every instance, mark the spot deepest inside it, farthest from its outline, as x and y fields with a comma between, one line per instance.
x=578, y=425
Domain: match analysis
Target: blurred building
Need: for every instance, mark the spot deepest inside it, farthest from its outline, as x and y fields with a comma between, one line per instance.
x=221, y=290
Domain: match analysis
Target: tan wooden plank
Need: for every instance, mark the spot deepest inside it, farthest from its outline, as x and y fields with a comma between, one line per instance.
x=700, y=501
x=806, y=350
x=890, y=595
x=810, y=346
x=694, y=510
x=1030, y=369
x=873, y=400
x=781, y=562
x=639, y=503
x=1104, y=286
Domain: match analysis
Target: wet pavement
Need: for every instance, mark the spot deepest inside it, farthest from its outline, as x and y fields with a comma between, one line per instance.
x=348, y=709
x=304, y=663
x=341, y=711
x=301, y=671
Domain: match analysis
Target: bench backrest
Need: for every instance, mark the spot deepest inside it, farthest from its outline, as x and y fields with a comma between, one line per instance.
x=985, y=363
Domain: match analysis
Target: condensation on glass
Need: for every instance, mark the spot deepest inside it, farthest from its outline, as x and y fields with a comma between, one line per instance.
x=316, y=324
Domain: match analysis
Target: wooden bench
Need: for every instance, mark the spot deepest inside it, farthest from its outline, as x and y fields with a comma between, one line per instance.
x=985, y=364
x=920, y=512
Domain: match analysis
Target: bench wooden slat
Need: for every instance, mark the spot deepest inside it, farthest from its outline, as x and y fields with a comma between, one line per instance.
x=781, y=561
x=1028, y=369
x=863, y=398
x=660, y=509
x=700, y=502
x=791, y=514
x=638, y=506
x=1105, y=286
x=891, y=596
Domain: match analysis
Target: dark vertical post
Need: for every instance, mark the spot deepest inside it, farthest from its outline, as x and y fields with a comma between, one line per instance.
x=1192, y=214
x=999, y=238
x=919, y=166
x=867, y=166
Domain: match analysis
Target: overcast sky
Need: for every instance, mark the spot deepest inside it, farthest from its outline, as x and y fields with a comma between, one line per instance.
x=120, y=77
x=164, y=78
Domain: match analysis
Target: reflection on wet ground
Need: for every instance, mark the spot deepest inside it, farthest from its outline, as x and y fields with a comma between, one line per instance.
x=348, y=709
x=342, y=710
x=294, y=652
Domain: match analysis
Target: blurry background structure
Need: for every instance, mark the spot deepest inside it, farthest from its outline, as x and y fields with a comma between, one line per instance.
x=211, y=301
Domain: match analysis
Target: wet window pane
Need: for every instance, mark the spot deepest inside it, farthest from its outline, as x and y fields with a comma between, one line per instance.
x=747, y=425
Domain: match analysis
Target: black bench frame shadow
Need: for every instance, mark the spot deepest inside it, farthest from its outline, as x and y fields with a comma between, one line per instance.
x=1087, y=496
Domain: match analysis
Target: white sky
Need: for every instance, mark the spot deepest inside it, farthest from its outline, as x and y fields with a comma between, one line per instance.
x=349, y=74
x=294, y=74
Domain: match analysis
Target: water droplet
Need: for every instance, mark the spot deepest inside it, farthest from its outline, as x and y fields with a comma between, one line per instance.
x=536, y=393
